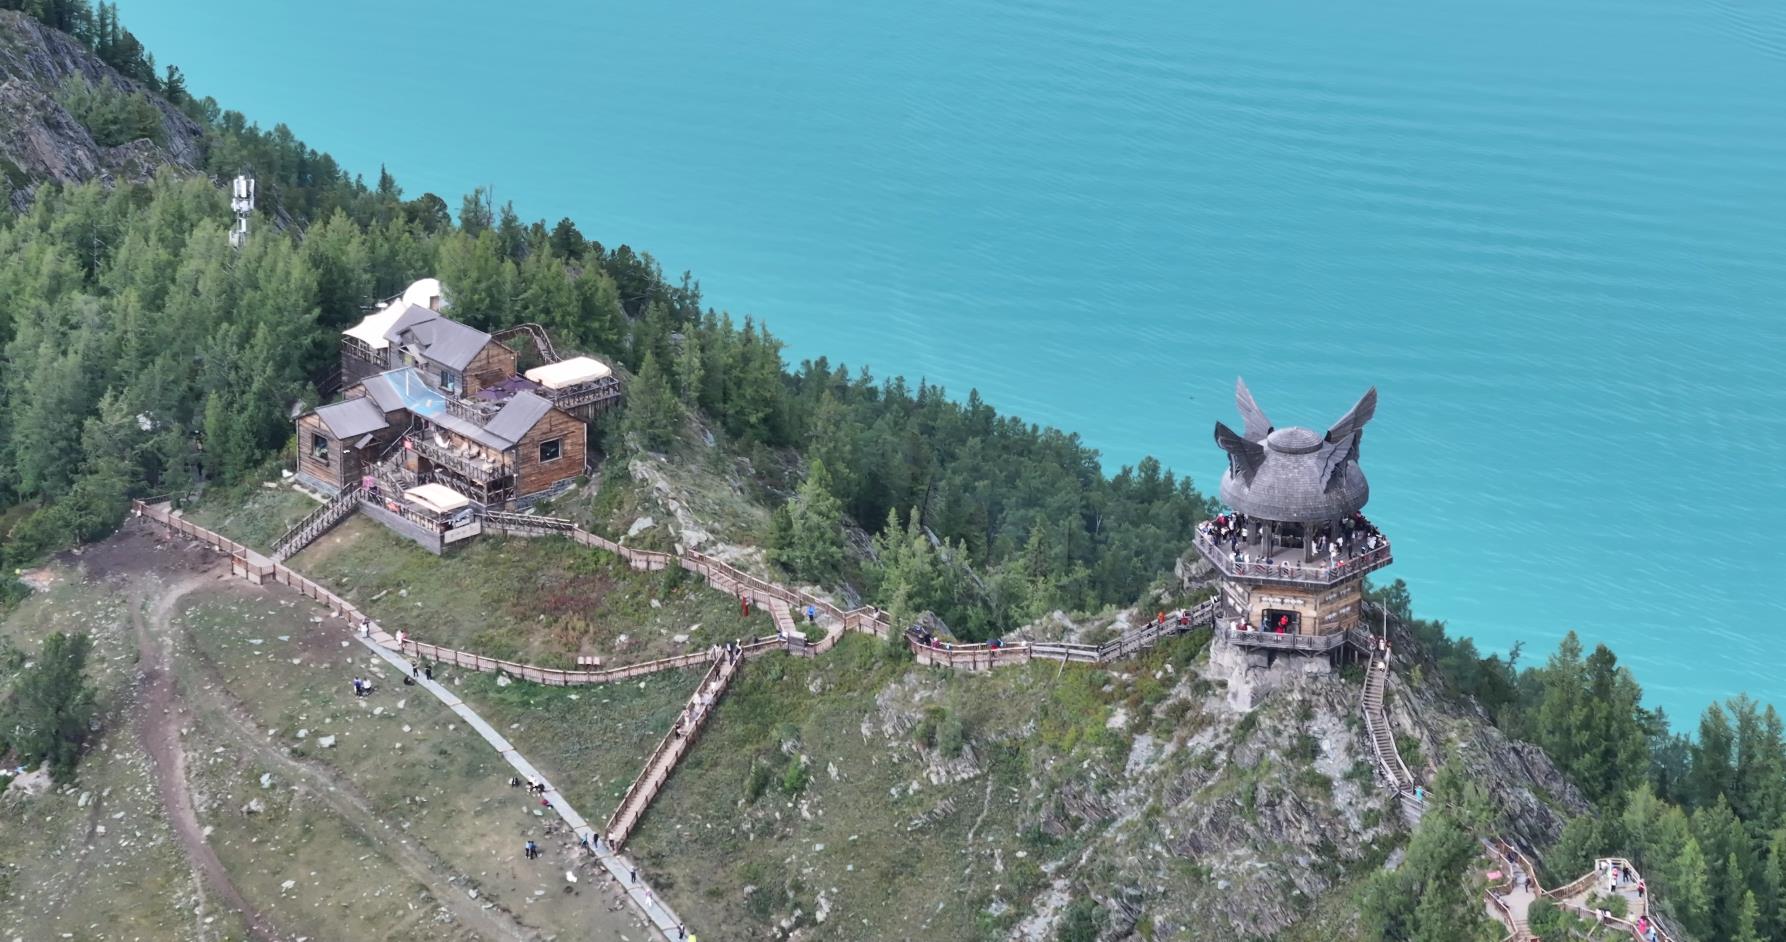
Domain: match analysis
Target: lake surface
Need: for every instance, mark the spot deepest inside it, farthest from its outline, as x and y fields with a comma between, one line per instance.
x=1553, y=234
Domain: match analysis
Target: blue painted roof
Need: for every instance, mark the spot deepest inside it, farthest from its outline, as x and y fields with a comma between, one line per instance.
x=404, y=388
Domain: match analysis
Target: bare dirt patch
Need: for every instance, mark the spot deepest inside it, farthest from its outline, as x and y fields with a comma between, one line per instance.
x=159, y=730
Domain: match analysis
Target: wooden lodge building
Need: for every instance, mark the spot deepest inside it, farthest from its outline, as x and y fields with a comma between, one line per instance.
x=1294, y=547
x=429, y=400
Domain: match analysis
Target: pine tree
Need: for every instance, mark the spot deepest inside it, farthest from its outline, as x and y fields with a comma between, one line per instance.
x=476, y=214
x=511, y=233
x=50, y=712
x=567, y=242
x=479, y=281
x=814, y=550
x=1744, y=927
x=653, y=413
x=1772, y=884
x=1688, y=889
x=337, y=252
x=1713, y=755
x=689, y=369
x=548, y=297
x=601, y=320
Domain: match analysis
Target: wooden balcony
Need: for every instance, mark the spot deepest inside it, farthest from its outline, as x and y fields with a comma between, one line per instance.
x=469, y=466
x=1303, y=644
x=603, y=390
x=1293, y=572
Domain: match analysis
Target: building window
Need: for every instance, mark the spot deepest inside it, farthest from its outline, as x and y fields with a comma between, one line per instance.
x=319, y=447
x=550, y=450
x=451, y=381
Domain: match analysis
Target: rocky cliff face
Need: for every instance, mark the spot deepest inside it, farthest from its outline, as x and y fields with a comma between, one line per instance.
x=40, y=141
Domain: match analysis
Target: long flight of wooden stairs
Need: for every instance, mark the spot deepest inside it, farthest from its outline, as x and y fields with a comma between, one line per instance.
x=1376, y=723
x=317, y=523
x=669, y=752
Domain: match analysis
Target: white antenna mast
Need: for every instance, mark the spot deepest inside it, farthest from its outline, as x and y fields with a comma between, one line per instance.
x=242, y=201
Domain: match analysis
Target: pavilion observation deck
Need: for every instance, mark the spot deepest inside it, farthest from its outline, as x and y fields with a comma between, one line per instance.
x=1292, y=553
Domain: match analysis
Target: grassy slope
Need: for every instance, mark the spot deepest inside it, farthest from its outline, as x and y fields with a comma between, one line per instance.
x=589, y=741
x=889, y=838
x=425, y=776
x=59, y=872
x=250, y=514
x=542, y=600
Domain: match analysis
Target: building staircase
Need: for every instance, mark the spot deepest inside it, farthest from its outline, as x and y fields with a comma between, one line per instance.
x=542, y=342
x=317, y=523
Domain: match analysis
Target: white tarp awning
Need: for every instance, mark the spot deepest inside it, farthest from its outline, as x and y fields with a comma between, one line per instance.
x=371, y=328
x=424, y=293
x=572, y=372
x=437, y=497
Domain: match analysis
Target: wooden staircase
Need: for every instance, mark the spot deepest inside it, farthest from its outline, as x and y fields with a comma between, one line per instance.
x=669, y=752
x=317, y=523
x=1376, y=724
x=783, y=613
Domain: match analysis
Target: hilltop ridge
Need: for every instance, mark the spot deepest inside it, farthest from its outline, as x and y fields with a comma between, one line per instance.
x=42, y=141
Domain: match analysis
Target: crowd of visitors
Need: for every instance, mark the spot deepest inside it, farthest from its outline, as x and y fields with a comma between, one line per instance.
x=1250, y=540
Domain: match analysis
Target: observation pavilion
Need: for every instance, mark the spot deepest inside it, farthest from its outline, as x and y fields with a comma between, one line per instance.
x=1293, y=545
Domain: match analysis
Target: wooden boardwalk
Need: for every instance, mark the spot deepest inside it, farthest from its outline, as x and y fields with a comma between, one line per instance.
x=1510, y=897
x=669, y=752
x=1506, y=901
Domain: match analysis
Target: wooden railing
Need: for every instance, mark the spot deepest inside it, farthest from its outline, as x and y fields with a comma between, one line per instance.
x=481, y=470
x=477, y=414
x=669, y=752
x=1571, y=896
x=550, y=676
x=316, y=523
x=1307, y=644
x=582, y=394
x=184, y=527
x=542, y=341
x=1299, y=573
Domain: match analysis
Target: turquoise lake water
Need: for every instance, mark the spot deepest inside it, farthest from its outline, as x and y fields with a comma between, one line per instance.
x=1553, y=234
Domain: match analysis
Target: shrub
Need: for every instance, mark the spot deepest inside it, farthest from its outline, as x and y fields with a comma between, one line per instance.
x=949, y=736
x=1081, y=922
x=111, y=115
x=756, y=781
x=794, y=780
x=924, y=734
x=50, y=713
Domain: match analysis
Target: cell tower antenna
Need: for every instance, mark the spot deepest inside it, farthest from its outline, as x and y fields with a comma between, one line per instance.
x=242, y=201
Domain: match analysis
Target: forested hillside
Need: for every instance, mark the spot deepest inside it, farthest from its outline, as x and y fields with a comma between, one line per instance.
x=144, y=355
x=140, y=354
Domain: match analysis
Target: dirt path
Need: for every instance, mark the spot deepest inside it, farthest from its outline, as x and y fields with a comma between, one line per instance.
x=318, y=781
x=160, y=733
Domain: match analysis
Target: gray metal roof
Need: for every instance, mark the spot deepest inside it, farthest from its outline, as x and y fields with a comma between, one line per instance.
x=379, y=389
x=466, y=428
x=449, y=343
x=518, y=416
x=1294, y=474
x=352, y=417
x=412, y=315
